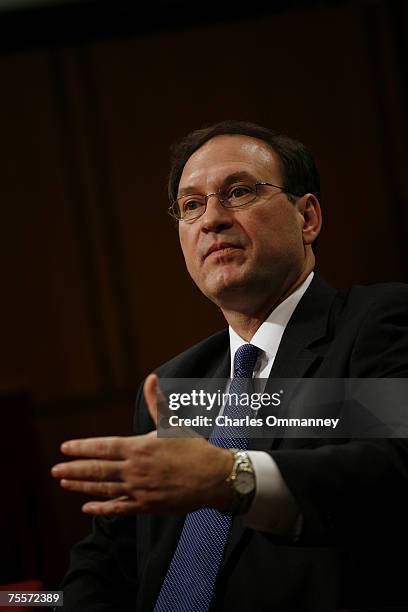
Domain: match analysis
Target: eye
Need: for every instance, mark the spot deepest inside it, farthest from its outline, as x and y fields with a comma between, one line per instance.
x=239, y=192
x=190, y=204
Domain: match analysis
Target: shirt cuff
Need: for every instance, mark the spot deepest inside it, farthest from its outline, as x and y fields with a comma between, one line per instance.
x=274, y=508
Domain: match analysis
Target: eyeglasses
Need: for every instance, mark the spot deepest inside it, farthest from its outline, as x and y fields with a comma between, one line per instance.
x=190, y=207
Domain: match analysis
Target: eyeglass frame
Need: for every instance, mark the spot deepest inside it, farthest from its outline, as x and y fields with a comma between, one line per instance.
x=221, y=201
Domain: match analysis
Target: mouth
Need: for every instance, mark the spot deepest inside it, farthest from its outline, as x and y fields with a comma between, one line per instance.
x=222, y=248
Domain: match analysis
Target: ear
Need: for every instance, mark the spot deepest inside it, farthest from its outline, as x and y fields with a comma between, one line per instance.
x=309, y=208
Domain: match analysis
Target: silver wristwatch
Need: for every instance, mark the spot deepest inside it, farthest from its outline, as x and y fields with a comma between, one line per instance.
x=242, y=481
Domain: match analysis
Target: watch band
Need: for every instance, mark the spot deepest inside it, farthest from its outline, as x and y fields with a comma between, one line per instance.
x=241, y=502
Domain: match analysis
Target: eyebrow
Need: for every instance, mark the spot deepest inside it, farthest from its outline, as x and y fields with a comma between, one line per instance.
x=228, y=180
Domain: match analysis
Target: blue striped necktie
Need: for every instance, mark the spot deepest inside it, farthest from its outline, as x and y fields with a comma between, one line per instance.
x=190, y=579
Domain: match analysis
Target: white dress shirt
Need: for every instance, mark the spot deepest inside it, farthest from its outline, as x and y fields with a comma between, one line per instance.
x=273, y=508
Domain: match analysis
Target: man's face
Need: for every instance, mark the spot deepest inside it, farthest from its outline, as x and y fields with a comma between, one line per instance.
x=256, y=252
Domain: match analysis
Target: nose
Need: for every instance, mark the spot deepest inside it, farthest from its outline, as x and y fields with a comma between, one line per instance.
x=216, y=217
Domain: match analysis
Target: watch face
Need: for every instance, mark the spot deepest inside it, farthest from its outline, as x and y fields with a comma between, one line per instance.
x=245, y=482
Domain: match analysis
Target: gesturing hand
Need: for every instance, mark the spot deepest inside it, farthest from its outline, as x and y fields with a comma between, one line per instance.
x=146, y=473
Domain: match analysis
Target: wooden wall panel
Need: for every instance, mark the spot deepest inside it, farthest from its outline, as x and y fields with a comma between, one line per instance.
x=97, y=293
x=44, y=316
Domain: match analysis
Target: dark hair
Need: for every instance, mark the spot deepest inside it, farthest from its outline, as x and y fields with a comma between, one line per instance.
x=299, y=171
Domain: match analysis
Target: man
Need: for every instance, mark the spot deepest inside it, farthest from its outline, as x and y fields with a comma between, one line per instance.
x=318, y=523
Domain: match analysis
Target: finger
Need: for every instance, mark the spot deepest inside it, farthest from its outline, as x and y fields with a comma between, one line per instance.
x=152, y=395
x=111, y=447
x=101, y=489
x=158, y=407
x=89, y=469
x=121, y=506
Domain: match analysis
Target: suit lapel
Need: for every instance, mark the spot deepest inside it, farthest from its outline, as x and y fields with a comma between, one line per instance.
x=299, y=363
x=308, y=324
x=298, y=355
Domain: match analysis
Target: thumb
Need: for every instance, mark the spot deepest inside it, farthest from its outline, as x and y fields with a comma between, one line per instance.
x=151, y=389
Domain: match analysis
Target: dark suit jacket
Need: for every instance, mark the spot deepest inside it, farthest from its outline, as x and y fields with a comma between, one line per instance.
x=352, y=494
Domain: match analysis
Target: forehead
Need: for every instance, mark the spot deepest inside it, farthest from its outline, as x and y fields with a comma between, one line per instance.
x=227, y=154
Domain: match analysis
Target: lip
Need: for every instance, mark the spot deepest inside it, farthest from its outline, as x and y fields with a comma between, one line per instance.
x=220, y=246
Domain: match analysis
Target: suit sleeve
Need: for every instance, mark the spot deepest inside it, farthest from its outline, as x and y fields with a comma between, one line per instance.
x=359, y=489
x=102, y=576
x=103, y=569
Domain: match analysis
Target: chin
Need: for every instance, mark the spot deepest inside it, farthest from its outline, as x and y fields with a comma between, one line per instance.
x=226, y=293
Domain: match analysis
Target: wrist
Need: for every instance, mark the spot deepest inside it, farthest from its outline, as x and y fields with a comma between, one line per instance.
x=222, y=494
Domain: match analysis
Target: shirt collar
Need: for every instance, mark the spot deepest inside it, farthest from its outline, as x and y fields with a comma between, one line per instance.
x=269, y=334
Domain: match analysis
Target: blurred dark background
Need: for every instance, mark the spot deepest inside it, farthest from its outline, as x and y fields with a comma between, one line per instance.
x=94, y=291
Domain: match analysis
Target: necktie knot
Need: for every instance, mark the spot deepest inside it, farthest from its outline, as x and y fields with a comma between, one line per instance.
x=245, y=360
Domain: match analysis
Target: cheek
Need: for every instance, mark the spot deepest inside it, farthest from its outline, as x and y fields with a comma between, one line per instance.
x=275, y=233
x=188, y=250
x=183, y=243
